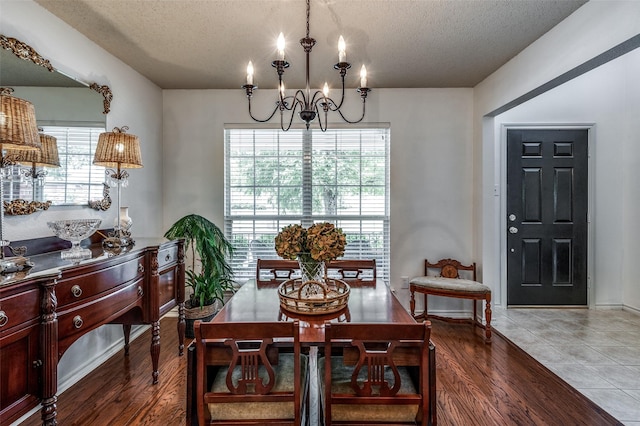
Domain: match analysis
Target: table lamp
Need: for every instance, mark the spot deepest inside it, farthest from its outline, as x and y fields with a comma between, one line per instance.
x=118, y=150
x=18, y=130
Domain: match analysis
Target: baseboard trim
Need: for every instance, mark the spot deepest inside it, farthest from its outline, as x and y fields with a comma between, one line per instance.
x=610, y=306
x=631, y=309
x=173, y=313
x=457, y=314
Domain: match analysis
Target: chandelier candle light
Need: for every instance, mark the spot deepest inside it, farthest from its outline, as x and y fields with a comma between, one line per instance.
x=308, y=107
x=117, y=150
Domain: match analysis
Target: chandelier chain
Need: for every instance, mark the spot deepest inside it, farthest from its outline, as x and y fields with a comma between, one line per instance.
x=308, y=15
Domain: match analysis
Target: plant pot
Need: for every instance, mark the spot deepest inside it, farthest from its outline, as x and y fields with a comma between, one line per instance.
x=206, y=313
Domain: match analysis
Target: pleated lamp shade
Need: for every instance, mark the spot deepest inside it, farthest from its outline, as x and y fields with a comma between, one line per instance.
x=118, y=149
x=46, y=156
x=18, y=128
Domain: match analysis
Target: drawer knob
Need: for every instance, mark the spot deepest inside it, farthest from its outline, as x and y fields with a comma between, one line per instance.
x=140, y=291
x=140, y=268
x=77, y=321
x=76, y=291
x=167, y=257
x=4, y=319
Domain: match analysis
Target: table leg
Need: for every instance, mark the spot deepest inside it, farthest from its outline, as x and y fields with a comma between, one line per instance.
x=314, y=388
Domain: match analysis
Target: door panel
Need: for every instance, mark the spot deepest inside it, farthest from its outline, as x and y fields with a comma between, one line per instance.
x=547, y=183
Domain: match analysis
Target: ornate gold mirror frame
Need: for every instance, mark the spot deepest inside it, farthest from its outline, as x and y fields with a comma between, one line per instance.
x=27, y=53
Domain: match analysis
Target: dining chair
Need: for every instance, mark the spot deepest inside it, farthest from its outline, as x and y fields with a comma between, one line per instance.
x=250, y=373
x=449, y=283
x=353, y=271
x=275, y=271
x=375, y=373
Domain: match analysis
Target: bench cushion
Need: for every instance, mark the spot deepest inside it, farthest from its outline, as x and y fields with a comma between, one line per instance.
x=453, y=284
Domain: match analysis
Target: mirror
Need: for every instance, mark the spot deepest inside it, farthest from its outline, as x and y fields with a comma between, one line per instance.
x=59, y=101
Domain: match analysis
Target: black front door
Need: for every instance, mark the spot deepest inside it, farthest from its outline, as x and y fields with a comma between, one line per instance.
x=547, y=206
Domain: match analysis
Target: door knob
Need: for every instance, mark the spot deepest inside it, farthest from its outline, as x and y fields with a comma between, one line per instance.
x=513, y=230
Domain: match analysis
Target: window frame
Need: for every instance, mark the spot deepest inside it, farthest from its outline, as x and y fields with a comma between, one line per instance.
x=275, y=222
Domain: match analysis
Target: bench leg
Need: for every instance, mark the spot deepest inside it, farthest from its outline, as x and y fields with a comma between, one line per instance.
x=487, y=317
x=412, y=303
x=474, y=320
x=425, y=315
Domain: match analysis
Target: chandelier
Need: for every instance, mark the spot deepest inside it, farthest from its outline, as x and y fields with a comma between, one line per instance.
x=308, y=107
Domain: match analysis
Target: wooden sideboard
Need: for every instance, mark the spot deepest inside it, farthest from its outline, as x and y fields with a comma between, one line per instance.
x=43, y=312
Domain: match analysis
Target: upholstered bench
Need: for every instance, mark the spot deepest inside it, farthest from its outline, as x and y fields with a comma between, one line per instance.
x=449, y=284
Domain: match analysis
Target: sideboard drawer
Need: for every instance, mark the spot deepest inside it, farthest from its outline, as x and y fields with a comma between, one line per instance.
x=83, y=319
x=167, y=256
x=85, y=286
x=19, y=308
x=168, y=287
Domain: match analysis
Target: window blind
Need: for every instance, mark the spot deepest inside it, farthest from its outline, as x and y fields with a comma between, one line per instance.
x=77, y=180
x=275, y=178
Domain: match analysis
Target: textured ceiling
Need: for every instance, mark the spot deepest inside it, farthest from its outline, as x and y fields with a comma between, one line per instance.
x=206, y=44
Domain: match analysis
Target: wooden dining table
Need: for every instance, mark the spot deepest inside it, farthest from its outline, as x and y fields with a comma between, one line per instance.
x=368, y=303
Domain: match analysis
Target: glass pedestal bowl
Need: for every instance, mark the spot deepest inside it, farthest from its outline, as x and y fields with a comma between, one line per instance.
x=75, y=230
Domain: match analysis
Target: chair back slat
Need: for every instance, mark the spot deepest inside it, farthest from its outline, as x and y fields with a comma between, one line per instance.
x=353, y=271
x=249, y=361
x=275, y=271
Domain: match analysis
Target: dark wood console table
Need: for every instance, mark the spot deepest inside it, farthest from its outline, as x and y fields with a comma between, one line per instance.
x=56, y=302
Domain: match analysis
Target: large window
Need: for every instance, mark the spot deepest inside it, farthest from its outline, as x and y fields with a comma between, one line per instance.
x=275, y=178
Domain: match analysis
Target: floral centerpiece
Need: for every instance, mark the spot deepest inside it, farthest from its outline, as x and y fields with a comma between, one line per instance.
x=312, y=247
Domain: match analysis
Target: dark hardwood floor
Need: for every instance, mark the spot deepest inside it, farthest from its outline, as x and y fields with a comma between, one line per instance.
x=477, y=384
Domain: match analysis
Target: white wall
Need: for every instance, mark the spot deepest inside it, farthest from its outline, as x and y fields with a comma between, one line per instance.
x=136, y=103
x=609, y=97
x=593, y=29
x=431, y=169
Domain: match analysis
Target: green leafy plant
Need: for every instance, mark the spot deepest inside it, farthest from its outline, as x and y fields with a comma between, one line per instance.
x=214, y=275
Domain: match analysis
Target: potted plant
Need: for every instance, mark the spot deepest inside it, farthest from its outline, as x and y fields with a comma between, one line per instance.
x=209, y=274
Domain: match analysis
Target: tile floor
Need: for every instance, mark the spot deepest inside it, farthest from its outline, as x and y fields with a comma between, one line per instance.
x=595, y=351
